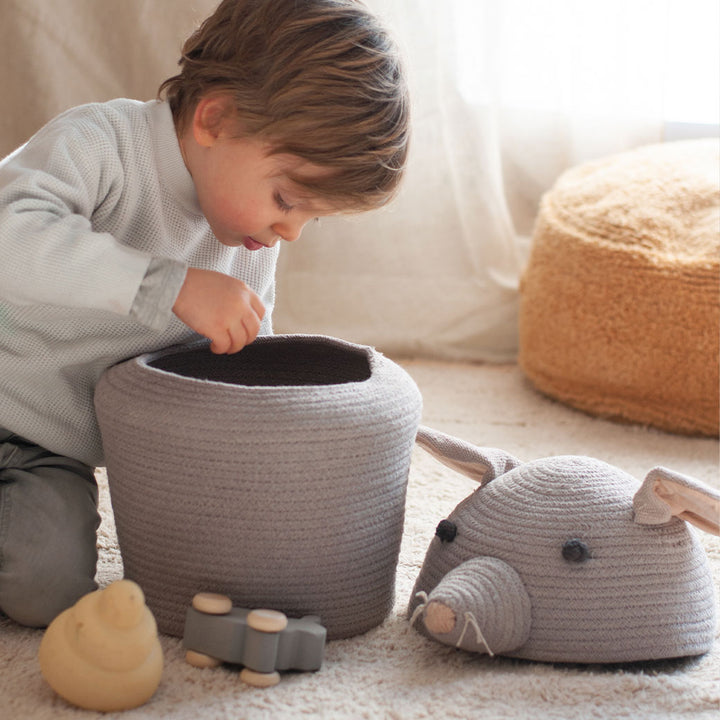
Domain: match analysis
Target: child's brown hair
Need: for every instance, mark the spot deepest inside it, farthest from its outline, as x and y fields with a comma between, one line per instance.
x=319, y=79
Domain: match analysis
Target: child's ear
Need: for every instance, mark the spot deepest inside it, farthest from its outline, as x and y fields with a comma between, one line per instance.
x=211, y=119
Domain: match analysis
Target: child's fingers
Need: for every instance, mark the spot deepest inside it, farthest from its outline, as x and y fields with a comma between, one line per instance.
x=237, y=340
x=220, y=307
x=257, y=306
x=246, y=325
x=251, y=324
x=238, y=336
x=245, y=332
x=221, y=343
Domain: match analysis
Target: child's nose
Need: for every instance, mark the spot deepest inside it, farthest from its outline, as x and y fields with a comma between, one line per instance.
x=289, y=231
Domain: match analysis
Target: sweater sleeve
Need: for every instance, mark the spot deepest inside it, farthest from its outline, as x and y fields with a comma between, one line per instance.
x=157, y=294
x=50, y=190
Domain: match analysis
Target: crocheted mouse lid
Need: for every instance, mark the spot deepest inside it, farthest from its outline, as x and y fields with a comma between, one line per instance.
x=548, y=560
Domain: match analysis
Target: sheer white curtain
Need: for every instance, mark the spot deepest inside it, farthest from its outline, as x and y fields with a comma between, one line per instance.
x=506, y=95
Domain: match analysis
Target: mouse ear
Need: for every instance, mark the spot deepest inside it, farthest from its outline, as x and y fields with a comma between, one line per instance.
x=666, y=494
x=481, y=464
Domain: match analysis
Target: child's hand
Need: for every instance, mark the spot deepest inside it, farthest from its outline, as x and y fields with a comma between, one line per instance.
x=220, y=307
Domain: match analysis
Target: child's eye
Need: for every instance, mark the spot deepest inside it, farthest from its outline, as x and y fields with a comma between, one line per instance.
x=285, y=207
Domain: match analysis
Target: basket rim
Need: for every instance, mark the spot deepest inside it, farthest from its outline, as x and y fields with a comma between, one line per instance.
x=143, y=362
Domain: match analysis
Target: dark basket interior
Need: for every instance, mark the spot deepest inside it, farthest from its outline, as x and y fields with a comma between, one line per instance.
x=273, y=361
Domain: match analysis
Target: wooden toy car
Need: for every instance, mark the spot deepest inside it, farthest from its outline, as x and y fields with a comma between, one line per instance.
x=264, y=642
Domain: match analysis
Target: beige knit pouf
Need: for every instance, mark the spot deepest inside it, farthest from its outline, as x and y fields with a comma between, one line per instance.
x=620, y=301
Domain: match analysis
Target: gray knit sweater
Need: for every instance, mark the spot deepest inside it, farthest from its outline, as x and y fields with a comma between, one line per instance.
x=99, y=221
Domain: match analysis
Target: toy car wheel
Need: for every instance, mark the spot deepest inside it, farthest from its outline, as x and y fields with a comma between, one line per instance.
x=200, y=660
x=212, y=603
x=269, y=621
x=259, y=680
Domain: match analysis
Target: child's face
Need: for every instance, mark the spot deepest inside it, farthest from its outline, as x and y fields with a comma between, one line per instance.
x=245, y=193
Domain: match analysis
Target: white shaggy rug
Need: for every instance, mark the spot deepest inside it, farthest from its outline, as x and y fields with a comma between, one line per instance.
x=392, y=672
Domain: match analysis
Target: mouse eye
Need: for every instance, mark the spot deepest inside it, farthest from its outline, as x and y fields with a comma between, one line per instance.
x=446, y=530
x=575, y=551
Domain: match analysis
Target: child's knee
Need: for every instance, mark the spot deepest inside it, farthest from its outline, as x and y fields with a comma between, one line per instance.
x=35, y=596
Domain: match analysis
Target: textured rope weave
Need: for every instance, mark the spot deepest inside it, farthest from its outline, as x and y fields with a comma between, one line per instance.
x=276, y=476
x=643, y=593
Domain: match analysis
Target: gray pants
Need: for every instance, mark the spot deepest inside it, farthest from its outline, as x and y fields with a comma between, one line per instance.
x=48, y=527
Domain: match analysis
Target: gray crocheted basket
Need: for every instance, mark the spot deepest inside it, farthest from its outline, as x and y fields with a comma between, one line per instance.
x=276, y=476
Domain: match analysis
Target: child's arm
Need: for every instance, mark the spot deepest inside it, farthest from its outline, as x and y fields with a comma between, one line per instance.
x=220, y=307
x=49, y=191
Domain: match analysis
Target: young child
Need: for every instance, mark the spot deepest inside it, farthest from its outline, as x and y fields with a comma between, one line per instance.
x=127, y=226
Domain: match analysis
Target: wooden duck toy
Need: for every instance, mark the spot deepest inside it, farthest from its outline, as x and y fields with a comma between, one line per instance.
x=103, y=653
